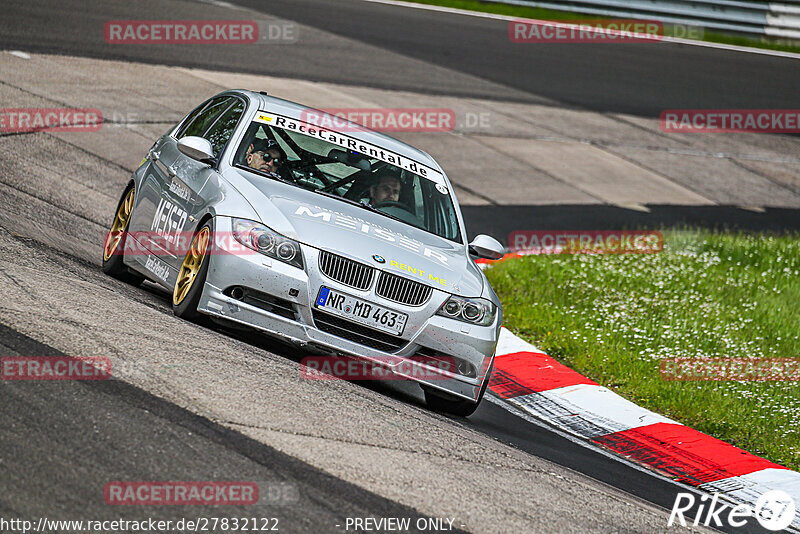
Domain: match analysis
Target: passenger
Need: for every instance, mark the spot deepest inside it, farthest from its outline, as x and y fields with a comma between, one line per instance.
x=264, y=156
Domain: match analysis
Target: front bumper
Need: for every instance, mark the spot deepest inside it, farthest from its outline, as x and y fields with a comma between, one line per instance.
x=298, y=289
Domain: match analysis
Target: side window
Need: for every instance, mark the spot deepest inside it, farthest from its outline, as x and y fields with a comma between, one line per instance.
x=222, y=130
x=198, y=124
x=190, y=118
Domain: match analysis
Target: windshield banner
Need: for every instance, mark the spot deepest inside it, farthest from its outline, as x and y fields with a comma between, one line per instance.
x=350, y=143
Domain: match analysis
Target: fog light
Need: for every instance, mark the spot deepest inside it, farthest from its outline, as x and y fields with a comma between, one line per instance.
x=466, y=369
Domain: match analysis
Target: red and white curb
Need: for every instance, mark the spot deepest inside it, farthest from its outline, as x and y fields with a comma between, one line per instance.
x=538, y=385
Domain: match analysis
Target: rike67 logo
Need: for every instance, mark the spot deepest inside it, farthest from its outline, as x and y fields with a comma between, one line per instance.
x=774, y=510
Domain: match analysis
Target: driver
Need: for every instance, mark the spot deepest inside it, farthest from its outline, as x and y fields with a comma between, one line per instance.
x=385, y=189
x=264, y=156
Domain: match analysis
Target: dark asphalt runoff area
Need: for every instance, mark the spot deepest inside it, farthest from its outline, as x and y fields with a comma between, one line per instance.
x=61, y=442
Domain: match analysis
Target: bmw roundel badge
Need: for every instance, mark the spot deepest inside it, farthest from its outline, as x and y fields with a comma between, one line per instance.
x=378, y=258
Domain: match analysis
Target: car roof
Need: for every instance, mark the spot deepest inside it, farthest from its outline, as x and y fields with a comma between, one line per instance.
x=296, y=111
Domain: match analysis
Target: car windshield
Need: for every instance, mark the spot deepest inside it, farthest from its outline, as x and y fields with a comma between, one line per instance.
x=337, y=165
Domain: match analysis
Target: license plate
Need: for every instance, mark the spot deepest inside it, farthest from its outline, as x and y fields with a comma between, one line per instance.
x=360, y=311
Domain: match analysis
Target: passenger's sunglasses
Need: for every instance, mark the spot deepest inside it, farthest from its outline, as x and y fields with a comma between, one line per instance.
x=267, y=157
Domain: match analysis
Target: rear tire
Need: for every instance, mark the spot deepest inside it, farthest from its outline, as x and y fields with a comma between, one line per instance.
x=192, y=275
x=437, y=401
x=114, y=244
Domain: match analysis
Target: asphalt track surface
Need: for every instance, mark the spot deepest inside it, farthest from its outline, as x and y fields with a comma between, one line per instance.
x=632, y=78
x=70, y=446
x=127, y=436
x=366, y=44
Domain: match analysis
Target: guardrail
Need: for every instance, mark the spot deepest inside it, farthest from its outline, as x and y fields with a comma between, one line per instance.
x=755, y=18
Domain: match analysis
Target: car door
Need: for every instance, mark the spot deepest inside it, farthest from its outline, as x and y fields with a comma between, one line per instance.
x=168, y=193
x=194, y=175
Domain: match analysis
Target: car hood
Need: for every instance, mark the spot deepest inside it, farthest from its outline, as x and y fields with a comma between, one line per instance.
x=362, y=235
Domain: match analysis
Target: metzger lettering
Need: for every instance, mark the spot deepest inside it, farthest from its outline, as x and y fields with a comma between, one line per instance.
x=361, y=226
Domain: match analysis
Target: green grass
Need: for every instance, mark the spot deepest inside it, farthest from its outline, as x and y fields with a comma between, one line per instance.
x=613, y=317
x=550, y=14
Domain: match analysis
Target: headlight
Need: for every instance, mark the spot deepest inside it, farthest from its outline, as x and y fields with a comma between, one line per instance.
x=476, y=311
x=267, y=242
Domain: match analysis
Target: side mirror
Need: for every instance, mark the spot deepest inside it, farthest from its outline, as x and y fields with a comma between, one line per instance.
x=484, y=246
x=197, y=148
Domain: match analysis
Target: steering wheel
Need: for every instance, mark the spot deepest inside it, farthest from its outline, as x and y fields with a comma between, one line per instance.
x=391, y=204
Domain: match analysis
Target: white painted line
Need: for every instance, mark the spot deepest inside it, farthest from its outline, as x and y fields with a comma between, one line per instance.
x=508, y=343
x=587, y=410
x=220, y=3
x=584, y=411
x=20, y=54
x=675, y=40
x=748, y=488
x=532, y=419
x=593, y=399
x=729, y=489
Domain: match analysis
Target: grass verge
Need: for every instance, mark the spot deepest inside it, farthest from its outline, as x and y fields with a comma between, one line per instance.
x=708, y=294
x=511, y=10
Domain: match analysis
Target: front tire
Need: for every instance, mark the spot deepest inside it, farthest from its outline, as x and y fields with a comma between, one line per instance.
x=437, y=401
x=114, y=245
x=192, y=275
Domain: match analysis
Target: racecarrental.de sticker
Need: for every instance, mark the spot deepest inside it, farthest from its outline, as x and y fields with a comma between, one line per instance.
x=350, y=143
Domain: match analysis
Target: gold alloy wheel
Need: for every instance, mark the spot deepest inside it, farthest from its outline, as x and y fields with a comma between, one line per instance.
x=119, y=226
x=191, y=265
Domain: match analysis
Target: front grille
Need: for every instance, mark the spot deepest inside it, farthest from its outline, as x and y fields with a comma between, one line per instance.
x=363, y=335
x=348, y=272
x=402, y=290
